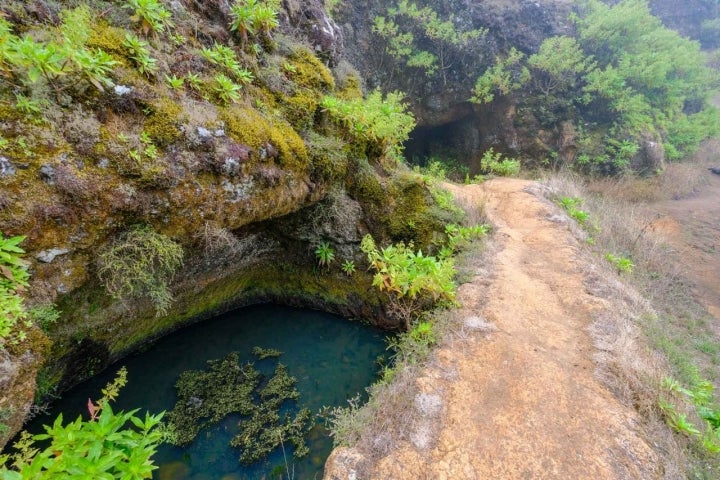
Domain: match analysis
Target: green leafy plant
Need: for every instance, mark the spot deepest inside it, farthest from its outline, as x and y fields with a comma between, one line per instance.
x=44, y=316
x=194, y=81
x=621, y=264
x=382, y=120
x=140, y=262
x=174, y=82
x=348, y=267
x=151, y=15
x=140, y=55
x=325, y=254
x=226, y=90
x=253, y=17
x=13, y=281
x=495, y=164
x=109, y=445
x=412, y=280
x=572, y=207
x=458, y=236
x=225, y=57
x=700, y=396
x=27, y=106
x=31, y=61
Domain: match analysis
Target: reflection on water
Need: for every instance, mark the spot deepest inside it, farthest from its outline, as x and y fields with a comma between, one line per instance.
x=333, y=359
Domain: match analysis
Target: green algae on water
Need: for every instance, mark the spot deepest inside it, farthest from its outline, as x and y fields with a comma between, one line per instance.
x=206, y=397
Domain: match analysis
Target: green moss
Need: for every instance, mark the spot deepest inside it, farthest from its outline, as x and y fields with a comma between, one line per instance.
x=109, y=39
x=364, y=184
x=300, y=109
x=329, y=162
x=307, y=70
x=163, y=124
x=249, y=127
x=351, y=88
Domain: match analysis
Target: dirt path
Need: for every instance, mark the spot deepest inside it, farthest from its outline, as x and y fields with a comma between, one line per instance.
x=520, y=401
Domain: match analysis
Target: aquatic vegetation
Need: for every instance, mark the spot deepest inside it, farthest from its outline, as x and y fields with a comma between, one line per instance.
x=225, y=387
x=263, y=353
x=206, y=397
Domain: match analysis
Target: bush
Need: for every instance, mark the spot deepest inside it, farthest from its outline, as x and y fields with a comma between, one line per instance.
x=110, y=445
x=495, y=164
x=140, y=262
x=377, y=119
x=413, y=280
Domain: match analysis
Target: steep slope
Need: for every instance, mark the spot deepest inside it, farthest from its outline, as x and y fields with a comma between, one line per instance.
x=518, y=397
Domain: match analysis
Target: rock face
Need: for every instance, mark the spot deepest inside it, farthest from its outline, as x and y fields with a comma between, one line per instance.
x=442, y=100
x=686, y=16
x=247, y=189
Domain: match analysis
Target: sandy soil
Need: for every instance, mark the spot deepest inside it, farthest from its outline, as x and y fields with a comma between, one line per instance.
x=518, y=399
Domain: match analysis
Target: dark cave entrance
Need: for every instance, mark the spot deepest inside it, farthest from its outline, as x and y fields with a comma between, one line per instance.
x=455, y=143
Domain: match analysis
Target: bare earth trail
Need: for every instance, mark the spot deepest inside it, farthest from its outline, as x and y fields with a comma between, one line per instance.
x=521, y=401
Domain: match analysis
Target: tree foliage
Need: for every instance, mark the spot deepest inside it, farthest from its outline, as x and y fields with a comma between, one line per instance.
x=422, y=38
x=624, y=72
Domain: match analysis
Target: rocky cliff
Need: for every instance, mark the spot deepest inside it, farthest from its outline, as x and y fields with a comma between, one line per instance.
x=215, y=143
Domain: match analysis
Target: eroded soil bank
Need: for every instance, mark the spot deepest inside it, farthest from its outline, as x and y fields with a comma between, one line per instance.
x=516, y=395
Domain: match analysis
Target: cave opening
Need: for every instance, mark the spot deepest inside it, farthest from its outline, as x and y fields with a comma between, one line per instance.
x=455, y=144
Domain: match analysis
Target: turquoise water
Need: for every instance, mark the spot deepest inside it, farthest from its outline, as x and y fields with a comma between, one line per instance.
x=333, y=359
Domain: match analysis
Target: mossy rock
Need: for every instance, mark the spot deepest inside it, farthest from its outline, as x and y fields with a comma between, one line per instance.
x=364, y=184
x=249, y=127
x=163, y=124
x=329, y=163
x=351, y=88
x=109, y=39
x=309, y=71
x=300, y=109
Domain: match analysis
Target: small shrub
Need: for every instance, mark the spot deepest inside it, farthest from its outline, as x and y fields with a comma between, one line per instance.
x=140, y=262
x=108, y=445
x=621, y=264
x=495, y=164
x=412, y=279
x=383, y=120
x=151, y=15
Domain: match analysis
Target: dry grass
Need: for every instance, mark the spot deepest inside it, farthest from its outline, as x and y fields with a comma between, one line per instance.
x=680, y=180
x=641, y=338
